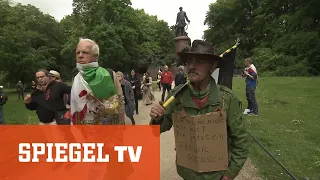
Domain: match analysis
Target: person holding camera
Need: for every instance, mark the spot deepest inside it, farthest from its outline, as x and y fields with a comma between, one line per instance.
x=251, y=75
x=47, y=100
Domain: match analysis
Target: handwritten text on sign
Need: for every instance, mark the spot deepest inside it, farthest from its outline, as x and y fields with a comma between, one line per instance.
x=201, y=141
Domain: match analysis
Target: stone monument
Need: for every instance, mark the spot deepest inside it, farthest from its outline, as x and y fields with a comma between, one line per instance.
x=182, y=40
x=181, y=23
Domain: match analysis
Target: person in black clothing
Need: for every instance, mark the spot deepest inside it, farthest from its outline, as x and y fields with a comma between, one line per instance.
x=180, y=77
x=47, y=100
x=159, y=80
x=135, y=83
x=3, y=100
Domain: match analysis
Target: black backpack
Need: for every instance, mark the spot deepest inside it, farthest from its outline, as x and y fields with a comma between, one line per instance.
x=111, y=73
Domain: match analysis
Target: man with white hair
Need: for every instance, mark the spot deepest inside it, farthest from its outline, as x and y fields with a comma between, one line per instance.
x=96, y=98
x=180, y=77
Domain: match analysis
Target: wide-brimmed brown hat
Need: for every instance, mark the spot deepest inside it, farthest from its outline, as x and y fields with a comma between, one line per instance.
x=199, y=47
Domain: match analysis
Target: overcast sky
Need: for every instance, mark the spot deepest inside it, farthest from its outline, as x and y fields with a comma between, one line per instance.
x=164, y=9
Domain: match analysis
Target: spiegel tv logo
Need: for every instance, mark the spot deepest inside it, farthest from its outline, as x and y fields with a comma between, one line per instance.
x=74, y=152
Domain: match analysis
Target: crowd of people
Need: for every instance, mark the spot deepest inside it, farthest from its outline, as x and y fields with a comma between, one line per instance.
x=101, y=96
x=50, y=97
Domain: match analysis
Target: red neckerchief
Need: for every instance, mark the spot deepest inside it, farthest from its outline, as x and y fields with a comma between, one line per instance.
x=47, y=90
x=200, y=103
x=47, y=94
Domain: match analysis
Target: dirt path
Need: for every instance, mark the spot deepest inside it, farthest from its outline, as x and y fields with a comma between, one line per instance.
x=168, y=168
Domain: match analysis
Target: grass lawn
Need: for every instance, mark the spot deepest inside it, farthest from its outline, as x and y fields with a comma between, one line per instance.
x=288, y=124
x=15, y=111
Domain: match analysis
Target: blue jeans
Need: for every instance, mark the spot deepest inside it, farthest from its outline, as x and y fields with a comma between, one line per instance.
x=1, y=115
x=251, y=98
x=129, y=113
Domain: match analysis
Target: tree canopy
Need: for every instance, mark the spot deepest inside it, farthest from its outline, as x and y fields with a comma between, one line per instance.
x=128, y=38
x=282, y=36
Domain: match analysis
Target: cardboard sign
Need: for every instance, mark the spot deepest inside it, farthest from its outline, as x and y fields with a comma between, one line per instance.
x=201, y=141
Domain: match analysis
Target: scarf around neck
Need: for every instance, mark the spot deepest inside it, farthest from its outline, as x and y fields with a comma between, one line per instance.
x=99, y=80
x=200, y=94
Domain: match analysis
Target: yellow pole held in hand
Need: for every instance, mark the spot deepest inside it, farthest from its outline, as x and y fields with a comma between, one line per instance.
x=168, y=101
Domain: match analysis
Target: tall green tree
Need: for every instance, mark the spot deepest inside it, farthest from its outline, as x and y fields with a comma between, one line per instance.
x=30, y=40
x=128, y=37
x=288, y=29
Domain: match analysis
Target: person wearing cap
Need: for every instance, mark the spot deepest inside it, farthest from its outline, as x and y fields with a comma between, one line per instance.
x=200, y=98
x=54, y=75
x=3, y=100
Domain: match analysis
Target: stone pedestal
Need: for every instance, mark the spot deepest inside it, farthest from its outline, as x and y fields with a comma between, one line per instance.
x=182, y=42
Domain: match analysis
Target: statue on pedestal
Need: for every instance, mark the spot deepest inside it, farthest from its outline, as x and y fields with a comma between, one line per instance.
x=181, y=23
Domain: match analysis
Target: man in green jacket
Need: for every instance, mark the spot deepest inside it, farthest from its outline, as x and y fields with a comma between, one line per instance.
x=201, y=97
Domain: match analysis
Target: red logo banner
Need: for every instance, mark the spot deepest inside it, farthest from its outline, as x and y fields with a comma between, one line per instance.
x=79, y=152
